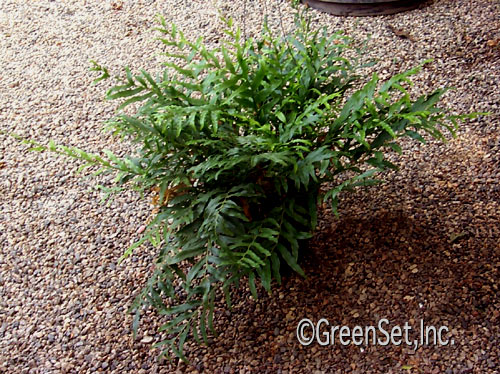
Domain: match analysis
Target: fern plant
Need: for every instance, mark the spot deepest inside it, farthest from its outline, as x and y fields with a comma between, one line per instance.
x=236, y=142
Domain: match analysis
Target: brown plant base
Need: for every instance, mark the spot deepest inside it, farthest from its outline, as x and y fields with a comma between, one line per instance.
x=362, y=7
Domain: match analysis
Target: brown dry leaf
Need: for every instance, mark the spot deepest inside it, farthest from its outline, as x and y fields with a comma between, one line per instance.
x=455, y=236
x=246, y=208
x=401, y=33
x=154, y=200
x=493, y=42
x=170, y=193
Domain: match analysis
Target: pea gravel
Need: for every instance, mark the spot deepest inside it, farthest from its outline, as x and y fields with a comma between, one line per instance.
x=422, y=246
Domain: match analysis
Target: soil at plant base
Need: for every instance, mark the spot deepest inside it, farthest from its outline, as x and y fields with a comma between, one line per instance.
x=422, y=246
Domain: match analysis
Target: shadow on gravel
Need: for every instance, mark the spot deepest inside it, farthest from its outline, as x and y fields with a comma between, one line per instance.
x=360, y=270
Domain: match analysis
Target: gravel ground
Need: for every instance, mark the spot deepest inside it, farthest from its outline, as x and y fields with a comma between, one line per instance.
x=423, y=246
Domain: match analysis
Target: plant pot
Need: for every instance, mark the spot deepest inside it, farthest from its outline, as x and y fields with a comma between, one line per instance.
x=363, y=7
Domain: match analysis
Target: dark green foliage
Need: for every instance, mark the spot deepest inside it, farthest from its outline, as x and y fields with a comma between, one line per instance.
x=237, y=142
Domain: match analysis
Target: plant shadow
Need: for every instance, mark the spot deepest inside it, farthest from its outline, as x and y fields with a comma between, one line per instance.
x=359, y=270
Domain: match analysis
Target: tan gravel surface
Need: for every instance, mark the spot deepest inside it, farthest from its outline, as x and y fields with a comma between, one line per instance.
x=424, y=246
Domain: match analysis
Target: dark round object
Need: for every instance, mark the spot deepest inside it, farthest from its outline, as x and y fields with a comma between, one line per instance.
x=363, y=7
